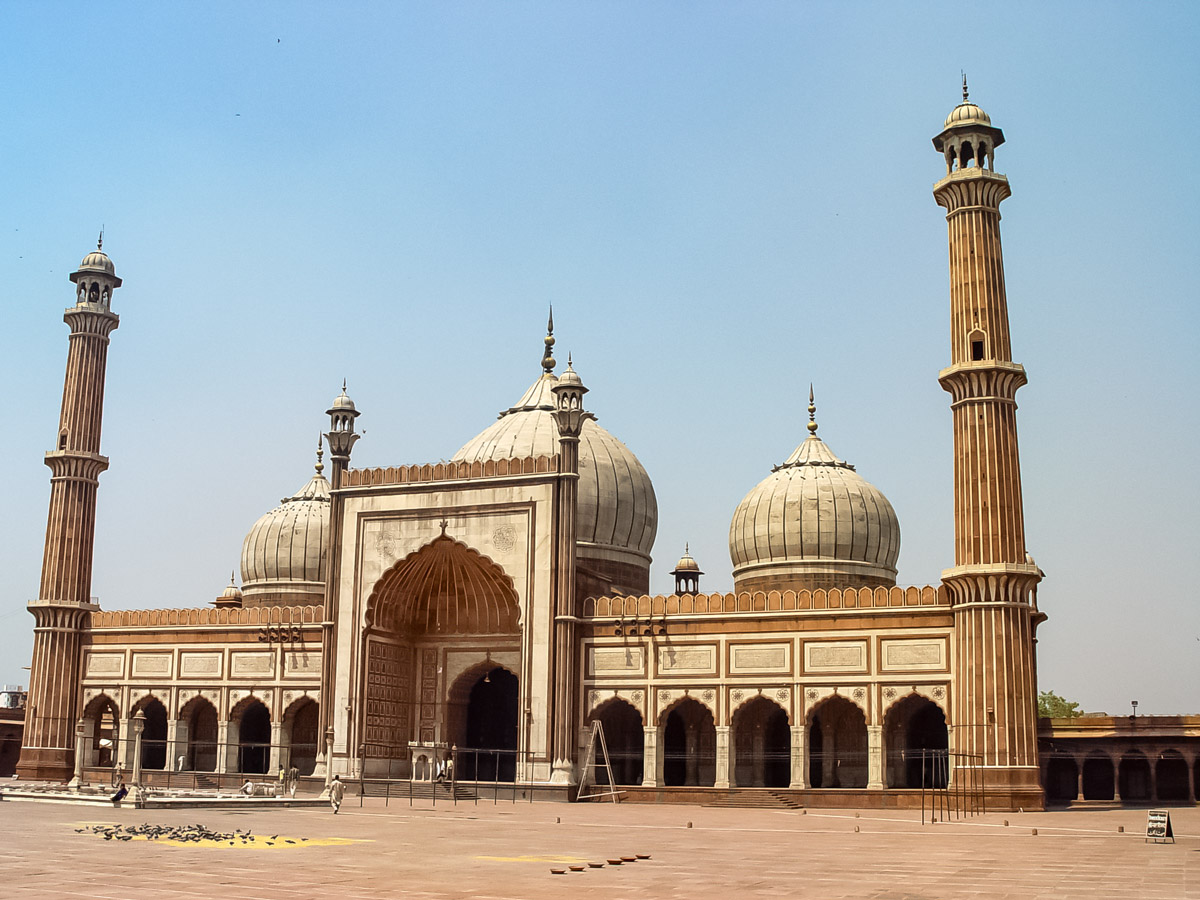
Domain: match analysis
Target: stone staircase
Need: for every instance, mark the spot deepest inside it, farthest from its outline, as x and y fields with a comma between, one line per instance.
x=758, y=798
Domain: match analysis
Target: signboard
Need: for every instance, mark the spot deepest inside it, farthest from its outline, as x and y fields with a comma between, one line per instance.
x=1158, y=826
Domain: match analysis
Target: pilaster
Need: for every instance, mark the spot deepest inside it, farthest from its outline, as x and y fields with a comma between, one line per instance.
x=722, y=779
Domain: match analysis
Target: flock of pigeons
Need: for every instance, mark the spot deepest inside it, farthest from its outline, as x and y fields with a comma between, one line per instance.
x=184, y=833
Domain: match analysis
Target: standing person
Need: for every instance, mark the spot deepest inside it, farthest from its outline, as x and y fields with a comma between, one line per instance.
x=282, y=782
x=336, y=791
x=293, y=780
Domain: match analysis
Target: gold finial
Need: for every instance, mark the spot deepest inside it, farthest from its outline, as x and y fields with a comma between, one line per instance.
x=812, y=412
x=320, y=453
x=686, y=550
x=964, y=75
x=548, y=357
x=343, y=385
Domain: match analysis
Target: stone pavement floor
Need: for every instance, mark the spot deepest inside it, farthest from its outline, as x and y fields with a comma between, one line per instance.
x=503, y=851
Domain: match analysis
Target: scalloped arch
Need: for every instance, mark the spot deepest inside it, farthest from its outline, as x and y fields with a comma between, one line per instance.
x=445, y=587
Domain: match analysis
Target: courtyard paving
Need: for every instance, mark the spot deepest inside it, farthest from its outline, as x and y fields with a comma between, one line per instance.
x=508, y=851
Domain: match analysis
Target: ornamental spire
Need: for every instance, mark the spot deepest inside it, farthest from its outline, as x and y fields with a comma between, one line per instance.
x=320, y=466
x=964, y=75
x=812, y=412
x=548, y=357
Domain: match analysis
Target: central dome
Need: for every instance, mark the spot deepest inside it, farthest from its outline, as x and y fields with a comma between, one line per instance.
x=814, y=522
x=618, y=513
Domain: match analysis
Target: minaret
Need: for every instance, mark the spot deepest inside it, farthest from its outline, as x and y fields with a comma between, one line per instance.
x=64, y=599
x=569, y=415
x=341, y=438
x=993, y=583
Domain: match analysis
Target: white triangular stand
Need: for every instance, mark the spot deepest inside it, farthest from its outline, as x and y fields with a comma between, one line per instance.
x=587, y=772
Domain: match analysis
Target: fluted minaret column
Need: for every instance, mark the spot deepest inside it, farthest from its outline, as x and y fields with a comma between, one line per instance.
x=341, y=438
x=569, y=415
x=993, y=582
x=61, y=609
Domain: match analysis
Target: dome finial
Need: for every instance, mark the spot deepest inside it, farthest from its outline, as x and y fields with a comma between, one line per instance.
x=548, y=357
x=100, y=239
x=320, y=466
x=812, y=412
x=231, y=581
x=964, y=75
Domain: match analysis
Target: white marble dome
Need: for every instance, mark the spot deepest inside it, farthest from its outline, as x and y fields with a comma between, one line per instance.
x=284, y=555
x=814, y=522
x=967, y=114
x=618, y=513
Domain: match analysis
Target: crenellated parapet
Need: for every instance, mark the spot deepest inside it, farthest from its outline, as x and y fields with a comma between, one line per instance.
x=769, y=601
x=123, y=619
x=450, y=471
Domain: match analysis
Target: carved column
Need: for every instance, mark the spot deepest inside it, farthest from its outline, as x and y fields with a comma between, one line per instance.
x=875, y=757
x=799, y=758
x=722, y=780
x=650, y=763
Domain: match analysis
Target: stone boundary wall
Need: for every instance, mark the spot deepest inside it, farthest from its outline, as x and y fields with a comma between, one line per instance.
x=774, y=601
x=451, y=471
x=248, y=615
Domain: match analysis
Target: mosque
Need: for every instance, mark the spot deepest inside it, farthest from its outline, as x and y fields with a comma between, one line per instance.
x=496, y=606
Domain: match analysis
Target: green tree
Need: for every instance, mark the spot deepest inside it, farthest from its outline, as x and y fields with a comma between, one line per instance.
x=1052, y=706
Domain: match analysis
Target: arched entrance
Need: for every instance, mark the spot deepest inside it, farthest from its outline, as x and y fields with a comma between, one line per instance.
x=838, y=742
x=1171, y=776
x=154, y=734
x=102, y=718
x=1062, y=779
x=254, y=738
x=201, y=718
x=1133, y=777
x=689, y=746
x=916, y=738
x=625, y=739
x=302, y=726
x=427, y=603
x=486, y=707
x=1098, y=777
x=762, y=745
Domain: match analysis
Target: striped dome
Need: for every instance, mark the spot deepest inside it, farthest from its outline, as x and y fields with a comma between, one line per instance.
x=284, y=555
x=814, y=522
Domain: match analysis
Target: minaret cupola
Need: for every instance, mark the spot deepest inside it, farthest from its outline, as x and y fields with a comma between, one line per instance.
x=96, y=279
x=968, y=138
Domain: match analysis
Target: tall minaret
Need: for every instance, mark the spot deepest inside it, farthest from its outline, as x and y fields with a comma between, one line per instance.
x=64, y=600
x=993, y=583
x=341, y=437
x=570, y=417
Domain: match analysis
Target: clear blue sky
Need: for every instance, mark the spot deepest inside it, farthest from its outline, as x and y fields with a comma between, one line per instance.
x=723, y=201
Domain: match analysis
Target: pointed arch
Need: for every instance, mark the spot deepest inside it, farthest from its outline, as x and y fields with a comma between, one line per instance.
x=761, y=744
x=689, y=739
x=624, y=735
x=445, y=587
x=838, y=744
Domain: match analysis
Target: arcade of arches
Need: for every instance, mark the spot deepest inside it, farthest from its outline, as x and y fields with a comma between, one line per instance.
x=252, y=743
x=764, y=750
